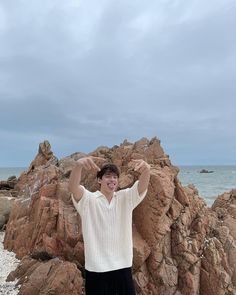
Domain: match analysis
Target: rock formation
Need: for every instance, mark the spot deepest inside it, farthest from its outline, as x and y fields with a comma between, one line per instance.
x=206, y=171
x=8, y=184
x=6, y=203
x=181, y=247
x=51, y=277
x=7, y=194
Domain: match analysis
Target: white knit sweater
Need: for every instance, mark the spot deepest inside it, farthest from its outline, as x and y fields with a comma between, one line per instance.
x=107, y=228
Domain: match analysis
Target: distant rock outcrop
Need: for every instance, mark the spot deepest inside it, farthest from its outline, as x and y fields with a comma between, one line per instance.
x=6, y=203
x=205, y=171
x=7, y=193
x=8, y=184
x=181, y=247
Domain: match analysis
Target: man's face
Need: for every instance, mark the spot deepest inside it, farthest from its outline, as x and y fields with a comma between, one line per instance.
x=109, y=182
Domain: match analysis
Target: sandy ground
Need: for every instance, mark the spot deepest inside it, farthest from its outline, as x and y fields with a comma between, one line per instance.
x=8, y=262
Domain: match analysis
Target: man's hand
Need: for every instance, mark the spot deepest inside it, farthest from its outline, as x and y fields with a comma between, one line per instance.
x=144, y=168
x=74, y=182
x=89, y=162
x=141, y=166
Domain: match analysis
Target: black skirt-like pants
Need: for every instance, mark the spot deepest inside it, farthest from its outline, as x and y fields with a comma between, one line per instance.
x=115, y=282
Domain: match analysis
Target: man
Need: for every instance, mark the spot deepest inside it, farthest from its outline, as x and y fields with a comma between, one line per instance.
x=106, y=217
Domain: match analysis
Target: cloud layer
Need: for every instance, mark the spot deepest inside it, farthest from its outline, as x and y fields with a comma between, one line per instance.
x=87, y=73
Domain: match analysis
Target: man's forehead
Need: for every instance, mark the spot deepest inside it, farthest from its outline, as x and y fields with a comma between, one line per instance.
x=110, y=173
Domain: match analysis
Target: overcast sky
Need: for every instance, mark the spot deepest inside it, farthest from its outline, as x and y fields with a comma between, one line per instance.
x=87, y=73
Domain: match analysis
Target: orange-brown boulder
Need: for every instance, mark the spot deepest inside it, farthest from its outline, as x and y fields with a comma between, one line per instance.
x=50, y=277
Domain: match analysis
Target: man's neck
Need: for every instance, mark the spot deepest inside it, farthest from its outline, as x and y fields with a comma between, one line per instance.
x=108, y=195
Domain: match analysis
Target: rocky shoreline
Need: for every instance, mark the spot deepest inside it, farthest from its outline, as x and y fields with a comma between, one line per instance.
x=181, y=246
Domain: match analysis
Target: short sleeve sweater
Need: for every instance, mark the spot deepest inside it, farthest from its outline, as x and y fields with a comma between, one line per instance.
x=107, y=228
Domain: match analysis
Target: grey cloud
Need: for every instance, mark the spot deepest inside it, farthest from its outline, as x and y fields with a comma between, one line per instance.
x=83, y=74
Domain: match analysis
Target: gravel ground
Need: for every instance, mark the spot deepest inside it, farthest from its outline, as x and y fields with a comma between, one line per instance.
x=8, y=262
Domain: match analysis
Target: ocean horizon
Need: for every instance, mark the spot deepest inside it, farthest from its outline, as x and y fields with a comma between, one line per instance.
x=209, y=185
x=6, y=172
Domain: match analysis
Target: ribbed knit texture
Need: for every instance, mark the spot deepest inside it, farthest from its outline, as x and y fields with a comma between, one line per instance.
x=107, y=228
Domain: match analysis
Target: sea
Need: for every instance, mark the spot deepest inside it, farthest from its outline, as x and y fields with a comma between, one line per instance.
x=209, y=185
x=6, y=172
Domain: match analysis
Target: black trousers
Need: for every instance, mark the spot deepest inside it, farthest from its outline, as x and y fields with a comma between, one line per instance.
x=115, y=282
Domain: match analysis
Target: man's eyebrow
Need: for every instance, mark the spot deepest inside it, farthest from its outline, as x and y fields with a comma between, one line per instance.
x=110, y=173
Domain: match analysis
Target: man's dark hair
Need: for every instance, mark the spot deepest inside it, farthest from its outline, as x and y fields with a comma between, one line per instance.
x=108, y=168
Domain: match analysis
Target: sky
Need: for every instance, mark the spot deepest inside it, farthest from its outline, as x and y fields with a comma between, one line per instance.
x=83, y=74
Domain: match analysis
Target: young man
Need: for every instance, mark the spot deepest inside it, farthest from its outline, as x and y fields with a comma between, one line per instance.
x=106, y=217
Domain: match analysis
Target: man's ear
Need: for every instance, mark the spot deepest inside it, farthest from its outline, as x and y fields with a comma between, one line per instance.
x=99, y=180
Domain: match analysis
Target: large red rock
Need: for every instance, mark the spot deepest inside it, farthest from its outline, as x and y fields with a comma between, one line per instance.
x=50, y=277
x=179, y=243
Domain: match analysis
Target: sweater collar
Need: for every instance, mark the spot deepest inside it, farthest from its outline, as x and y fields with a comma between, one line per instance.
x=98, y=194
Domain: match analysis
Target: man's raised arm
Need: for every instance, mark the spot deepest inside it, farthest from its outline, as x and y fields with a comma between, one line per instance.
x=75, y=177
x=144, y=168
